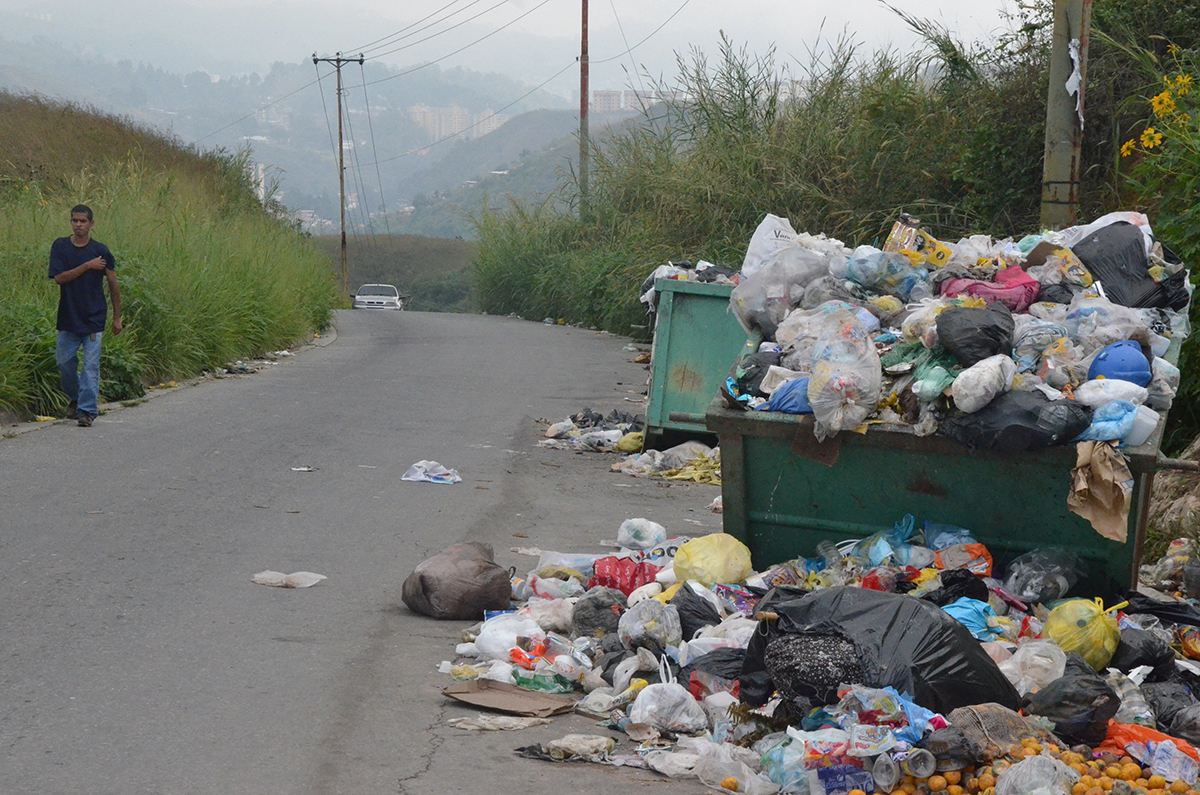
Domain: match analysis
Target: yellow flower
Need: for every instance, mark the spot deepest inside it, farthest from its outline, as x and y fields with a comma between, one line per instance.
x=1184, y=119
x=1127, y=148
x=1162, y=103
x=1183, y=84
x=1151, y=138
x=1173, y=48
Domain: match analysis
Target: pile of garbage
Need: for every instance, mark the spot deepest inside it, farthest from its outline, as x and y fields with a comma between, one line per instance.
x=999, y=344
x=893, y=664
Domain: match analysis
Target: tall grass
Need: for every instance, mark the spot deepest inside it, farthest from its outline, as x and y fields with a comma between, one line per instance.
x=207, y=274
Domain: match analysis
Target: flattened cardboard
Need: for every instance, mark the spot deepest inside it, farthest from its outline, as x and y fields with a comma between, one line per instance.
x=503, y=697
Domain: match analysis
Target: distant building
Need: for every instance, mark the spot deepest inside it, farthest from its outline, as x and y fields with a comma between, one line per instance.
x=487, y=122
x=606, y=101
x=639, y=100
x=441, y=122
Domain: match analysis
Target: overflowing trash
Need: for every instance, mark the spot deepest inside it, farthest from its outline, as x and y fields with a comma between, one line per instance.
x=905, y=663
x=925, y=336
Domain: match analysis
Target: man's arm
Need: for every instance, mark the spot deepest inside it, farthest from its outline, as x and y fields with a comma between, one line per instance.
x=114, y=294
x=94, y=264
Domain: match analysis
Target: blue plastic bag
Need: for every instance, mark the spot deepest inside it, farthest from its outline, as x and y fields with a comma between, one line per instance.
x=973, y=614
x=1111, y=421
x=790, y=397
x=940, y=536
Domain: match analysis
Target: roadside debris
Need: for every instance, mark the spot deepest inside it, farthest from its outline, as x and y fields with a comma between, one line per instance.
x=460, y=582
x=298, y=579
x=496, y=723
x=430, y=472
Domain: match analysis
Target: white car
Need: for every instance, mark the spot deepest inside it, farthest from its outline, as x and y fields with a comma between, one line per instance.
x=378, y=296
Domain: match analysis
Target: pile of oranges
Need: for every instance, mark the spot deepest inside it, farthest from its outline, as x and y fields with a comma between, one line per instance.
x=1104, y=776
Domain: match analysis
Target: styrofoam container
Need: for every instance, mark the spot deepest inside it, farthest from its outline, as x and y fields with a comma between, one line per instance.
x=1143, y=425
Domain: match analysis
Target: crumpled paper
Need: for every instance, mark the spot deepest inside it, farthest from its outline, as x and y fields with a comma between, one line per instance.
x=1101, y=489
x=431, y=472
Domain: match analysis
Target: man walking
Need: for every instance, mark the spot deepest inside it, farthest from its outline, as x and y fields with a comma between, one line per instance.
x=80, y=266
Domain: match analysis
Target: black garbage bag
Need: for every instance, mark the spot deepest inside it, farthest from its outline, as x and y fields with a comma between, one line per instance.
x=1186, y=724
x=973, y=334
x=1016, y=422
x=753, y=369
x=952, y=748
x=695, y=612
x=598, y=611
x=725, y=663
x=1167, y=699
x=957, y=583
x=1139, y=647
x=1168, y=612
x=808, y=669
x=1116, y=257
x=1061, y=293
x=1079, y=704
x=903, y=642
x=458, y=583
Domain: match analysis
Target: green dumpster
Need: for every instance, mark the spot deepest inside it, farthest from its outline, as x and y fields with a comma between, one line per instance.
x=696, y=340
x=783, y=492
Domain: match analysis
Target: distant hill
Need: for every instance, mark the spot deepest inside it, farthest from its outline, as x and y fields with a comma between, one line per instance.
x=436, y=272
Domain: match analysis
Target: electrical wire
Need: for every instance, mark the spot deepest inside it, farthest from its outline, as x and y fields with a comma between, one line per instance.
x=628, y=49
x=356, y=170
x=375, y=153
x=531, y=91
x=440, y=32
x=460, y=49
x=643, y=41
x=253, y=113
x=370, y=44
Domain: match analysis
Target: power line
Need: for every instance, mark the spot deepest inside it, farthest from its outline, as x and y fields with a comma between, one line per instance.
x=253, y=113
x=531, y=91
x=460, y=49
x=643, y=41
x=628, y=49
x=368, y=45
x=375, y=153
x=440, y=32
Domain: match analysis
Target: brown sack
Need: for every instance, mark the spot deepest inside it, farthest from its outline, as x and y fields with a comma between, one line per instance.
x=460, y=582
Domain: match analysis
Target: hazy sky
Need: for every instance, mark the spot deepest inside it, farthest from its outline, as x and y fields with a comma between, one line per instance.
x=541, y=37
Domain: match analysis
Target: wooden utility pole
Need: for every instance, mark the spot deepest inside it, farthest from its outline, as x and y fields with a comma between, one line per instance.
x=337, y=62
x=583, y=117
x=1064, y=119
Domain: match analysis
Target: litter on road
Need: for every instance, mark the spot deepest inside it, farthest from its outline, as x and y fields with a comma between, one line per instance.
x=297, y=579
x=430, y=472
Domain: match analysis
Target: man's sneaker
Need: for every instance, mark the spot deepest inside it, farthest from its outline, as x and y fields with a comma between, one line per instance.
x=85, y=420
x=73, y=411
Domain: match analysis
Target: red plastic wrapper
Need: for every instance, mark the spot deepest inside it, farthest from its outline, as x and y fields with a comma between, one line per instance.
x=624, y=574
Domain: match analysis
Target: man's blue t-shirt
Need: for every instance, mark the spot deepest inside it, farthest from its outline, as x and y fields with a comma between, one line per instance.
x=81, y=306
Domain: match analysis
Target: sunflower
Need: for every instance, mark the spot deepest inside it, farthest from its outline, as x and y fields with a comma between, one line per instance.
x=1151, y=138
x=1127, y=148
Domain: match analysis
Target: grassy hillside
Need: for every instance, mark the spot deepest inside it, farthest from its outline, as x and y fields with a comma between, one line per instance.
x=436, y=272
x=207, y=273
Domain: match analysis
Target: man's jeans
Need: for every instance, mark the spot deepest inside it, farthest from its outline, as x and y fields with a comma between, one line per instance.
x=82, y=388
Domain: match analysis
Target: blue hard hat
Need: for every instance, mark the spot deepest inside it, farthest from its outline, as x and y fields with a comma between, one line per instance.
x=1122, y=360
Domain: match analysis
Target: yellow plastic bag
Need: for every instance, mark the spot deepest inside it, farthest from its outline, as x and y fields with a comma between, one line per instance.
x=1085, y=628
x=713, y=558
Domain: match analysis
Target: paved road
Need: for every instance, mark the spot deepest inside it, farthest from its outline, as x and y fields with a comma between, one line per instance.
x=137, y=657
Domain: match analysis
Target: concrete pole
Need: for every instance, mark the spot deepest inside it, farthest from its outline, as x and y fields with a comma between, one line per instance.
x=1064, y=132
x=584, y=156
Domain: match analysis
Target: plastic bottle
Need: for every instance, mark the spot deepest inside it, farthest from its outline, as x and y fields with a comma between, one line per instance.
x=919, y=763
x=886, y=773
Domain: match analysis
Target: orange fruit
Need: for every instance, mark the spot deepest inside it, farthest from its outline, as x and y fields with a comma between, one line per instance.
x=1179, y=786
x=972, y=785
x=1095, y=791
x=955, y=789
x=937, y=783
x=1157, y=782
x=1088, y=780
x=856, y=792
x=987, y=781
x=730, y=783
x=1141, y=783
x=952, y=776
x=899, y=792
x=1192, y=792
x=908, y=789
x=1079, y=789
x=1131, y=772
x=1017, y=751
x=1105, y=783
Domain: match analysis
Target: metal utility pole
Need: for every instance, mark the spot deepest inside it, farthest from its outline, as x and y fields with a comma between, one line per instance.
x=337, y=62
x=583, y=117
x=1064, y=120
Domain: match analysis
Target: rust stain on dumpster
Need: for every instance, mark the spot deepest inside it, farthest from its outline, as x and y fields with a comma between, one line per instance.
x=923, y=485
x=685, y=379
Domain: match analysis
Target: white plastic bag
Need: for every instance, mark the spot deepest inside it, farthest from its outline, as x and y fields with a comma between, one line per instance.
x=1035, y=664
x=772, y=234
x=764, y=299
x=499, y=635
x=668, y=706
x=552, y=615
x=1098, y=391
x=846, y=381
x=979, y=384
x=651, y=625
x=1037, y=775
x=1096, y=323
x=640, y=534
